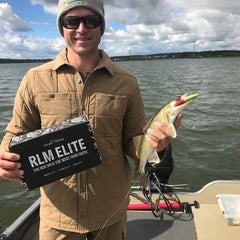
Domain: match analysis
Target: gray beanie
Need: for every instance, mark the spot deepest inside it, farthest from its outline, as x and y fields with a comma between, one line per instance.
x=95, y=5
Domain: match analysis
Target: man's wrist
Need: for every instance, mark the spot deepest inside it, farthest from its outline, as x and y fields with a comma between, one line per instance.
x=162, y=154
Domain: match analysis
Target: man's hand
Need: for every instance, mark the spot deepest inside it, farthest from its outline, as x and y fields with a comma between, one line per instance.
x=161, y=138
x=9, y=166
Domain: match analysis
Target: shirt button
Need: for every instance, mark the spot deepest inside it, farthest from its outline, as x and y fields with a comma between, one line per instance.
x=79, y=81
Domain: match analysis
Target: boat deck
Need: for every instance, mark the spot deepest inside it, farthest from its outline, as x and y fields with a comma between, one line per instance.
x=206, y=223
x=145, y=226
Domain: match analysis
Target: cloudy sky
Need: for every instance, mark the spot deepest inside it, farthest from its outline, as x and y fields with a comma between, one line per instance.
x=28, y=27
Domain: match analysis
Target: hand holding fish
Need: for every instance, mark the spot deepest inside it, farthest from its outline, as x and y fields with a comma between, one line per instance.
x=161, y=138
x=158, y=133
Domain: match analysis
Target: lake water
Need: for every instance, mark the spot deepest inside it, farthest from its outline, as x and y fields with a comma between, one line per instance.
x=207, y=147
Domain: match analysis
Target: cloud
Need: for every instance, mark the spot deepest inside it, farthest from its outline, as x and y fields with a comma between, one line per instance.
x=40, y=23
x=50, y=6
x=145, y=27
x=190, y=5
x=174, y=25
x=28, y=46
x=10, y=22
x=137, y=12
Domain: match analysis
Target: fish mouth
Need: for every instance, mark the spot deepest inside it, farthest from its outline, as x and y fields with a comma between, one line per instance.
x=185, y=99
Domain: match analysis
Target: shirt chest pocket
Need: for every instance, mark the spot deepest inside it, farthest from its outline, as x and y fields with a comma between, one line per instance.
x=108, y=112
x=54, y=107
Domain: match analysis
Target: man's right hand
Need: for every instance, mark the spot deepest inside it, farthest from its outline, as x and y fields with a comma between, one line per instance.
x=9, y=166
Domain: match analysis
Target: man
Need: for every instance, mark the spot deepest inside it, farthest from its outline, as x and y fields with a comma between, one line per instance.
x=82, y=80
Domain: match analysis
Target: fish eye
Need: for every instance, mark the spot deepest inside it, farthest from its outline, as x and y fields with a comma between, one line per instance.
x=178, y=98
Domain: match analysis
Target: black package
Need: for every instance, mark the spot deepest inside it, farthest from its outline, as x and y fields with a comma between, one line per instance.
x=55, y=152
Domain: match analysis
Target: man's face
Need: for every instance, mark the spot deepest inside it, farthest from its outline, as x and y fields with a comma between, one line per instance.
x=82, y=41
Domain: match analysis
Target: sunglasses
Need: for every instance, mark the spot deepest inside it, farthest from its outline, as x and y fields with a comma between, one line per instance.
x=73, y=22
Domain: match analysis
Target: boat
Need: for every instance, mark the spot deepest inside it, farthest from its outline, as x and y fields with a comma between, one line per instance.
x=212, y=213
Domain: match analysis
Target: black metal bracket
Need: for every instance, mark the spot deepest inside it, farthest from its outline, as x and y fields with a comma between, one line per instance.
x=187, y=207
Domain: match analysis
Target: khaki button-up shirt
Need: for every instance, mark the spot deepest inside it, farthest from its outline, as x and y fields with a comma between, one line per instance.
x=111, y=100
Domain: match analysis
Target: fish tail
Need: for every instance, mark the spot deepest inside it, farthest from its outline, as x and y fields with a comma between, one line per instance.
x=141, y=176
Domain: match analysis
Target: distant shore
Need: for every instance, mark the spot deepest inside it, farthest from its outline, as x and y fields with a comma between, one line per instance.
x=178, y=55
x=9, y=60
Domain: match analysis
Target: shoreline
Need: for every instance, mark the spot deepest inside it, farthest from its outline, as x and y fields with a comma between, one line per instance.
x=158, y=56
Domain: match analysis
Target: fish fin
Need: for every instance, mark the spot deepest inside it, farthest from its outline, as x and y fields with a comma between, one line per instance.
x=141, y=176
x=171, y=131
x=137, y=142
x=154, y=158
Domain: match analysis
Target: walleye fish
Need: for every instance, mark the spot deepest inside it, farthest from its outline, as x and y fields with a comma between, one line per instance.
x=167, y=116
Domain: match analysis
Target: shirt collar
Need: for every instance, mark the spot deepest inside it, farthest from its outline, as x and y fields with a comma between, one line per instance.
x=105, y=61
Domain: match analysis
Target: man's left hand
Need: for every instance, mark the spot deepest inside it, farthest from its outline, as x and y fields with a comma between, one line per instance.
x=161, y=138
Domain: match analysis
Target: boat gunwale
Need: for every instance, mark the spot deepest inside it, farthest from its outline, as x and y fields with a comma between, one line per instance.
x=205, y=187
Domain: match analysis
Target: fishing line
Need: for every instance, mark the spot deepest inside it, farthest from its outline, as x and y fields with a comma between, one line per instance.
x=156, y=207
x=156, y=185
x=173, y=197
x=104, y=225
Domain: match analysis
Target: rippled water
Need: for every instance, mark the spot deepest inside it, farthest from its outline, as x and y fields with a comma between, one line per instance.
x=207, y=147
